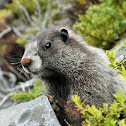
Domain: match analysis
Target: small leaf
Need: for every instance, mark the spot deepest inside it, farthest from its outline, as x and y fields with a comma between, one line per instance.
x=108, y=53
x=111, y=65
x=111, y=60
x=123, y=68
x=112, y=54
x=125, y=44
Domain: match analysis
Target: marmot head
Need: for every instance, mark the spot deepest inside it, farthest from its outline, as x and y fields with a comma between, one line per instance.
x=45, y=49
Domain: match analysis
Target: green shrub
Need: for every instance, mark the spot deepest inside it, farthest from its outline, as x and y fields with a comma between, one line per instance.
x=30, y=5
x=83, y=2
x=109, y=115
x=32, y=94
x=120, y=66
x=5, y=12
x=103, y=24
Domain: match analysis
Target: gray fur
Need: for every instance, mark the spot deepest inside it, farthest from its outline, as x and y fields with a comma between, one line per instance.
x=74, y=67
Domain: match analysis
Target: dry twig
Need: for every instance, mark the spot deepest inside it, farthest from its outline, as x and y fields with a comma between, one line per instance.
x=4, y=32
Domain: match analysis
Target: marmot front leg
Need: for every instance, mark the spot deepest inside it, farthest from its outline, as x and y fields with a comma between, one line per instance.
x=54, y=106
x=73, y=116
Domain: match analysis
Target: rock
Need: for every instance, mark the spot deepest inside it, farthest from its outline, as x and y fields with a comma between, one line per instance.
x=37, y=112
x=119, y=49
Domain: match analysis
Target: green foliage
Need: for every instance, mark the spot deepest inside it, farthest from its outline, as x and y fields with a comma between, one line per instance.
x=30, y=5
x=82, y=2
x=5, y=12
x=104, y=23
x=116, y=64
x=32, y=94
x=112, y=114
x=21, y=41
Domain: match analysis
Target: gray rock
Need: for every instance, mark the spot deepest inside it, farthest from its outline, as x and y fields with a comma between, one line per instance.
x=37, y=112
x=120, y=49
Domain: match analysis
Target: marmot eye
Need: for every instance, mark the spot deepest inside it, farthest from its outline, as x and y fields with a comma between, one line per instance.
x=48, y=45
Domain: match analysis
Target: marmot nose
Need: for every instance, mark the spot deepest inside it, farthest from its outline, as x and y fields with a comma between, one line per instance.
x=26, y=61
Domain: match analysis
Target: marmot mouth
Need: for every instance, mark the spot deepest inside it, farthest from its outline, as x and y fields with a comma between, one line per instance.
x=26, y=69
x=31, y=72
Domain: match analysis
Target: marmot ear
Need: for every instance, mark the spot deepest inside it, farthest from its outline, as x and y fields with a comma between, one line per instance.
x=64, y=35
